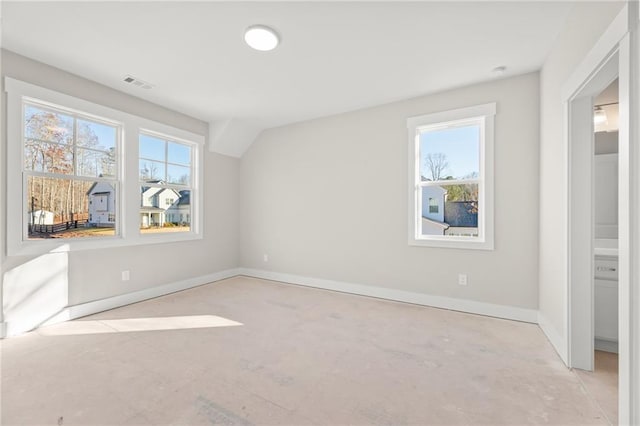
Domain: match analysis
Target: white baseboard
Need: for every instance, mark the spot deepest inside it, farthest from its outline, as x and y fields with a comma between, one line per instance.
x=462, y=305
x=556, y=340
x=84, y=309
x=605, y=345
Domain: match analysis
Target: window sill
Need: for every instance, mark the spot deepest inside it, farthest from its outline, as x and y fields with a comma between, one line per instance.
x=453, y=243
x=32, y=247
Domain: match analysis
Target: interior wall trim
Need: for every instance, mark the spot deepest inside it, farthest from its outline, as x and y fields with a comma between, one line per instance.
x=461, y=305
x=89, y=308
x=558, y=342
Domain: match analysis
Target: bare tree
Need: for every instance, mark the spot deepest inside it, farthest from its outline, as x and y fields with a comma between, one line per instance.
x=436, y=164
x=149, y=171
x=49, y=147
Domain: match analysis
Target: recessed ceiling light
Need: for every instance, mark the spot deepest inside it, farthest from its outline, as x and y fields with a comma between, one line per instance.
x=261, y=37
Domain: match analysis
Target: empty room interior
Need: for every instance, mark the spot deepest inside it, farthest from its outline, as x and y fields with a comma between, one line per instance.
x=327, y=213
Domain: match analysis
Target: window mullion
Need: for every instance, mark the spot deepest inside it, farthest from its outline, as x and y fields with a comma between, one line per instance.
x=423, y=184
x=166, y=158
x=62, y=176
x=74, y=148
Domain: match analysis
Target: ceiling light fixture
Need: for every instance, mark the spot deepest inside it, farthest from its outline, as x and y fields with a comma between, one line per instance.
x=261, y=37
x=599, y=116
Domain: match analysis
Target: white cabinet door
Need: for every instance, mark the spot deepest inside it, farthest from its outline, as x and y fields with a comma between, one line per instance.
x=606, y=310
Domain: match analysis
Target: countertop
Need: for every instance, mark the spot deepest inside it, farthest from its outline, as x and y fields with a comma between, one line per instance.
x=605, y=247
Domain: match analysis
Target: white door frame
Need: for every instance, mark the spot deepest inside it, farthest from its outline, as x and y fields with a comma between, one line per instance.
x=616, y=50
x=581, y=207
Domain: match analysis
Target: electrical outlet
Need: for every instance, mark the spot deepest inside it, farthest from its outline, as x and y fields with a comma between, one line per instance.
x=125, y=276
x=265, y=258
x=462, y=279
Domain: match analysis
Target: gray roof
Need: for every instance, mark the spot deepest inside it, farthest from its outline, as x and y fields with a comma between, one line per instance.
x=185, y=198
x=436, y=222
x=94, y=185
x=461, y=213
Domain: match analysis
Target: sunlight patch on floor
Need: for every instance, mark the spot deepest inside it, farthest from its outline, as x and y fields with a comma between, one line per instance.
x=136, y=324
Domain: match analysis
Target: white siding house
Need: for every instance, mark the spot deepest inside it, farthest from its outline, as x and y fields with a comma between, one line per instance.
x=154, y=204
x=443, y=217
x=102, y=204
x=433, y=203
x=157, y=205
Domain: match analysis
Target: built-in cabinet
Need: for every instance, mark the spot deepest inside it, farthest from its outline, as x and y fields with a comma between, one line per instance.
x=606, y=303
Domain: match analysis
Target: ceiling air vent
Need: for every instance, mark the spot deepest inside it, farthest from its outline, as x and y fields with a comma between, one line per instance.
x=137, y=82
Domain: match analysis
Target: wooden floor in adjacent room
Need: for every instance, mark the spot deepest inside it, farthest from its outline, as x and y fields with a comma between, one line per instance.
x=247, y=351
x=602, y=383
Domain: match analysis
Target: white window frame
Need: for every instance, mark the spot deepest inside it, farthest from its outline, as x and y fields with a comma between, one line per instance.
x=128, y=192
x=76, y=115
x=485, y=115
x=165, y=185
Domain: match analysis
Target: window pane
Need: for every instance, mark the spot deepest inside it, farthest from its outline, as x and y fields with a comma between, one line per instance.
x=152, y=148
x=450, y=210
x=68, y=208
x=95, y=163
x=178, y=174
x=96, y=135
x=164, y=210
x=178, y=153
x=45, y=125
x=152, y=170
x=48, y=157
x=451, y=153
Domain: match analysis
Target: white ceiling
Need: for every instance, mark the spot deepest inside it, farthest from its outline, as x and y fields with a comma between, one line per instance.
x=334, y=56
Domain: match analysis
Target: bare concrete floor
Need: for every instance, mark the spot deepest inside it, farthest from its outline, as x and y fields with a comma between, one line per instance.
x=301, y=356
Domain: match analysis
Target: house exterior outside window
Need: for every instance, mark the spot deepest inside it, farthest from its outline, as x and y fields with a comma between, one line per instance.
x=166, y=171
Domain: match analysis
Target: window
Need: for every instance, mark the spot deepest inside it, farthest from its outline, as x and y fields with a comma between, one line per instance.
x=433, y=205
x=70, y=169
x=67, y=160
x=451, y=178
x=166, y=171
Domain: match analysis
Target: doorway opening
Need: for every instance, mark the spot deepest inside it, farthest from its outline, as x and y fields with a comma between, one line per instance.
x=582, y=211
x=602, y=381
x=614, y=56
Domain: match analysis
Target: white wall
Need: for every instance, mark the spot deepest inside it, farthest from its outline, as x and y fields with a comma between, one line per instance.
x=585, y=24
x=96, y=274
x=328, y=199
